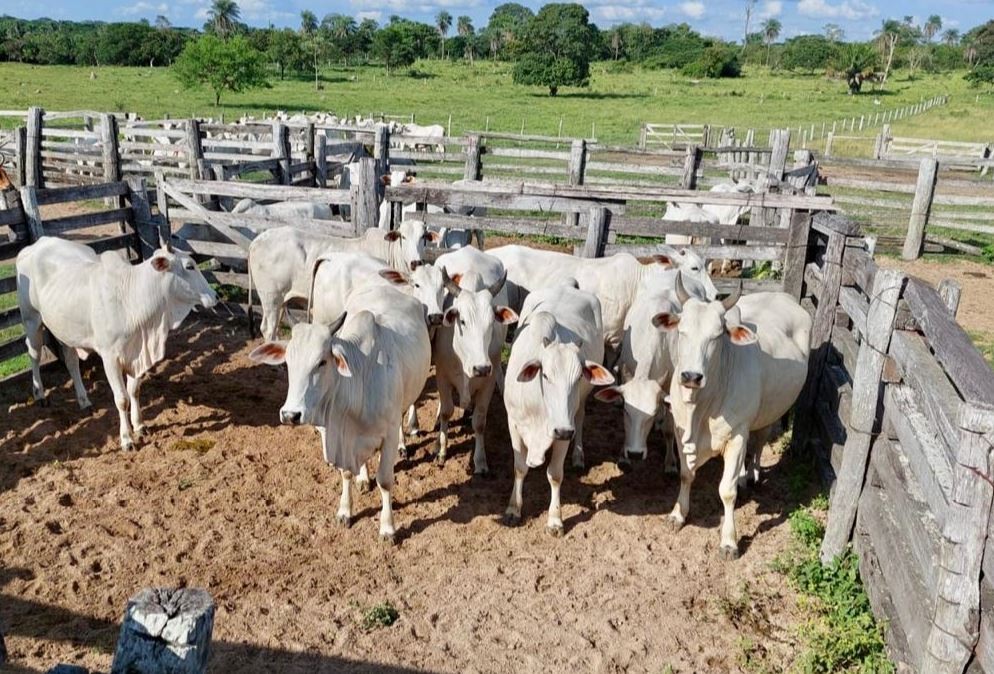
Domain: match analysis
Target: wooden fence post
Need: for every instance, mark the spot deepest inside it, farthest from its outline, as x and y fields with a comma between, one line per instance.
x=161, y=199
x=643, y=136
x=575, y=169
x=928, y=173
x=29, y=202
x=796, y=253
x=33, y=175
x=778, y=155
x=362, y=195
x=281, y=151
x=864, y=421
x=950, y=290
x=598, y=223
x=381, y=149
x=474, y=165
x=321, y=161
x=165, y=631
x=955, y=628
x=828, y=143
x=20, y=148
x=111, y=157
x=691, y=165
x=194, y=146
x=145, y=227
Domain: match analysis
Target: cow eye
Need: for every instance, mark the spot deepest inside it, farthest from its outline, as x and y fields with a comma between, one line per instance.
x=188, y=266
x=417, y=285
x=322, y=363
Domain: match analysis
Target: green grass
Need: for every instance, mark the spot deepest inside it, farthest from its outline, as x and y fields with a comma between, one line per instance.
x=617, y=102
x=984, y=341
x=380, y=615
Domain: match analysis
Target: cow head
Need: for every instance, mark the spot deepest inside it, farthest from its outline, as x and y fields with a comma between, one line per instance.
x=411, y=236
x=692, y=268
x=313, y=358
x=643, y=399
x=397, y=178
x=428, y=287
x=556, y=371
x=187, y=286
x=703, y=329
x=473, y=317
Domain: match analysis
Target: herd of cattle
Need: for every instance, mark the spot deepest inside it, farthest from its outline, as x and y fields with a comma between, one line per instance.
x=652, y=337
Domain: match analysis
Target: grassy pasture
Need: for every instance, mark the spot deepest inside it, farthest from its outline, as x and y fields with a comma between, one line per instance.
x=619, y=99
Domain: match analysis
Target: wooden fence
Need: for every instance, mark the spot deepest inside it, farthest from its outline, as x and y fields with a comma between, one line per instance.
x=903, y=406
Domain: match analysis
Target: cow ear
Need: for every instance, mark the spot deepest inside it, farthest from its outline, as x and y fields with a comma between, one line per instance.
x=385, y=179
x=663, y=259
x=505, y=315
x=530, y=369
x=408, y=178
x=451, y=316
x=434, y=237
x=393, y=235
x=270, y=353
x=160, y=263
x=597, y=374
x=394, y=277
x=741, y=335
x=611, y=394
x=340, y=362
x=665, y=320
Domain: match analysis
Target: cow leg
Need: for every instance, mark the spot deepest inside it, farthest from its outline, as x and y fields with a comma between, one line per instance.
x=384, y=480
x=34, y=338
x=512, y=515
x=117, y=384
x=71, y=359
x=134, y=386
x=577, y=460
x=412, y=422
x=445, y=409
x=271, y=310
x=345, y=502
x=671, y=459
x=401, y=441
x=362, y=480
x=481, y=405
x=734, y=457
x=754, y=453
x=678, y=516
x=555, y=474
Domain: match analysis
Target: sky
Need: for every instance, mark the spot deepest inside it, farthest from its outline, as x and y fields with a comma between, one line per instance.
x=722, y=18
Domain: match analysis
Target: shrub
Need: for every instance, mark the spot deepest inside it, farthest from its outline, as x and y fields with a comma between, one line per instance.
x=381, y=615
x=717, y=61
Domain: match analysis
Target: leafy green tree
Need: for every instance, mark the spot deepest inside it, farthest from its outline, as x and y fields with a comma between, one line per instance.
x=807, y=52
x=556, y=48
x=364, y=35
x=716, y=61
x=980, y=75
x=464, y=26
x=223, y=17
x=833, y=32
x=231, y=65
x=951, y=37
x=932, y=26
x=163, y=22
x=287, y=51
x=771, y=31
x=855, y=61
x=341, y=33
x=395, y=45
x=443, y=22
x=308, y=23
x=981, y=39
x=507, y=23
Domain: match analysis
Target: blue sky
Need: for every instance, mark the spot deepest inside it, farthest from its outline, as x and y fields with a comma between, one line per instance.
x=714, y=17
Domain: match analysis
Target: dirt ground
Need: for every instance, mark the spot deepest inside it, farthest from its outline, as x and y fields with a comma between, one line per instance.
x=222, y=497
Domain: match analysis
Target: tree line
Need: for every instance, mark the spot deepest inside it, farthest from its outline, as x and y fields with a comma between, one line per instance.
x=553, y=47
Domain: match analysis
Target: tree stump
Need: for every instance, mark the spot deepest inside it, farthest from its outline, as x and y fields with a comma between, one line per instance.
x=167, y=631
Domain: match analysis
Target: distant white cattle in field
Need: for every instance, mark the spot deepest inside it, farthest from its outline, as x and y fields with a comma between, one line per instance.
x=646, y=364
x=738, y=368
x=353, y=380
x=467, y=346
x=614, y=279
x=425, y=138
x=285, y=209
x=281, y=259
x=712, y=214
x=554, y=364
x=102, y=304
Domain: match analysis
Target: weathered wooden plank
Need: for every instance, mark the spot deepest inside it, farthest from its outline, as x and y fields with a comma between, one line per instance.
x=812, y=279
x=920, y=208
x=127, y=241
x=8, y=285
x=534, y=226
x=468, y=197
x=10, y=317
x=826, y=223
x=12, y=347
x=12, y=216
x=636, y=226
x=61, y=195
x=10, y=249
x=845, y=346
x=953, y=348
x=188, y=202
x=796, y=254
x=261, y=193
x=709, y=252
x=858, y=269
x=83, y=220
x=983, y=660
x=863, y=422
x=856, y=307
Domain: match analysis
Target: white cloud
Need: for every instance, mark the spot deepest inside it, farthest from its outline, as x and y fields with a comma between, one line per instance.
x=636, y=11
x=771, y=8
x=692, y=8
x=847, y=9
x=144, y=7
x=373, y=14
x=202, y=13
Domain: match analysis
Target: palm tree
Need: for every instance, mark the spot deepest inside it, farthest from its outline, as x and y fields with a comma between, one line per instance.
x=308, y=22
x=771, y=31
x=834, y=32
x=341, y=28
x=163, y=23
x=951, y=37
x=223, y=16
x=887, y=38
x=855, y=60
x=443, y=22
x=931, y=27
x=464, y=26
x=616, y=42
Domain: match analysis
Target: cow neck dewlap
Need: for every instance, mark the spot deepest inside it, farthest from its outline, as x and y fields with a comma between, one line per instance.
x=143, y=295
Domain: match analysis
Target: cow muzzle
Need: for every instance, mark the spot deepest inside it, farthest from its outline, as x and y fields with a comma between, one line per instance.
x=416, y=263
x=208, y=300
x=563, y=433
x=291, y=417
x=434, y=319
x=482, y=370
x=691, y=379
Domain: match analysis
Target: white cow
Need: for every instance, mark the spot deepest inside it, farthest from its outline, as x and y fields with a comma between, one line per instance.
x=426, y=138
x=353, y=380
x=102, y=304
x=467, y=346
x=554, y=364
x=739, y=367
x=285, y=209
x=614, y=279
x=281, y=259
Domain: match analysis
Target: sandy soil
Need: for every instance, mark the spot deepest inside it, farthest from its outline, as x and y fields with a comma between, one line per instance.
x=250, y=515
x=975, y=280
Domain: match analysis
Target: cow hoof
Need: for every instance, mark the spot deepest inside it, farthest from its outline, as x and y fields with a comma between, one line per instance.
x=84, y=404
x=414, y=432
x=555, y=530
x=511, y=520
x=483, y=474
x=345, y=521
x=387, y=538
x=43, y=402
x=672, y=523
x=728, y=553
x=128, y=446
x=439, y=459
x=625, y=464
x=671, y=470
x=362, y=486
x=402, y=453
x=139, y=432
